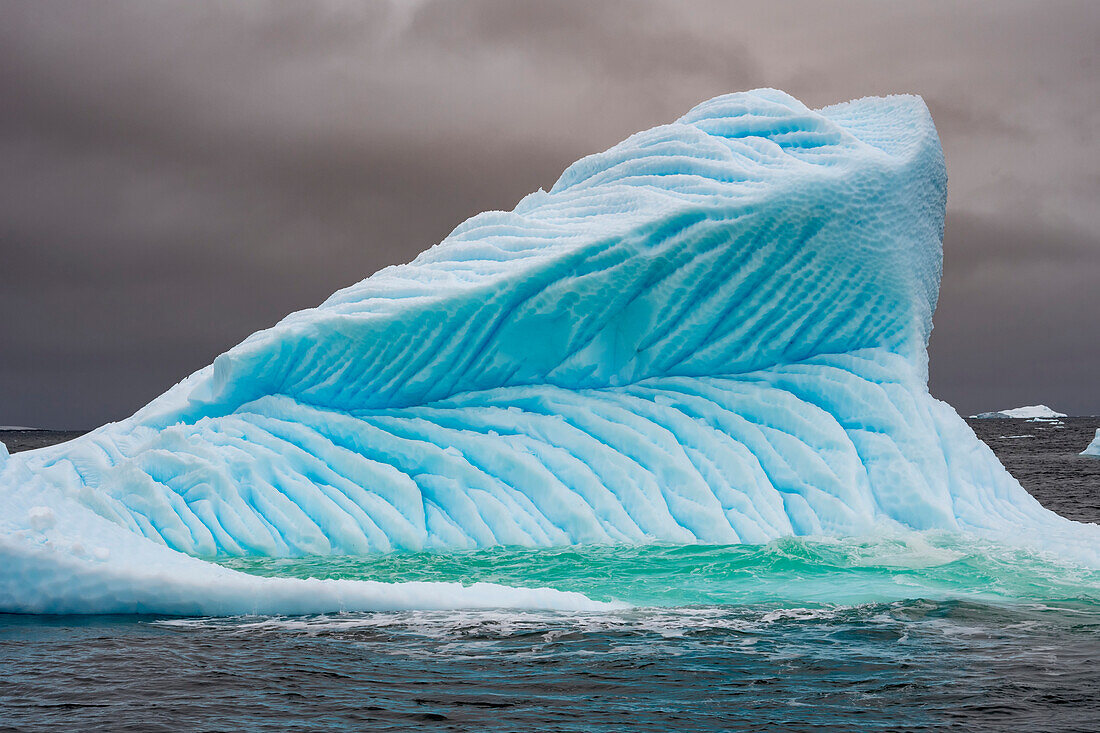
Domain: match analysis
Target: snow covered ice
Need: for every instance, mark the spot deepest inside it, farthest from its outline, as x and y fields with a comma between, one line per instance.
x=715, y=332
x=1030, y=412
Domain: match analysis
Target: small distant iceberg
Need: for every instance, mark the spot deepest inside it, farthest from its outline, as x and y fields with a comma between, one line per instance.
x=1093, y=449
x=1031, y=411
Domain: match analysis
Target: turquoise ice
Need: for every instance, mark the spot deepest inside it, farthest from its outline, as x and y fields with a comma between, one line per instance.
x=713, y=332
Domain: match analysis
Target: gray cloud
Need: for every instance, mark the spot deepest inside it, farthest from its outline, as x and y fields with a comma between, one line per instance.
x=1017, y=315
x=179, y=174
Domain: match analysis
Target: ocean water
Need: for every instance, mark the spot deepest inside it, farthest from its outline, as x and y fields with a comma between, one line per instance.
x=896, y=632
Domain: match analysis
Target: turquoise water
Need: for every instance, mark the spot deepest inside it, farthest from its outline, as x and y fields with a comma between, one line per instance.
x=918, y=632
x=898, y=632
x=793, y=571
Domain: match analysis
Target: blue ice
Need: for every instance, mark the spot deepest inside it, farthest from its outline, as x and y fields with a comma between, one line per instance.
x=714, y=331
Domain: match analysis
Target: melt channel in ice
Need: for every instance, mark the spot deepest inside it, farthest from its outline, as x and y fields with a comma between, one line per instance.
x=713, y=332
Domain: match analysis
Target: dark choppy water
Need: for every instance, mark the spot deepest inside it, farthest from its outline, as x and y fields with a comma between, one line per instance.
x=1044, y=456
x=909, y=665
x=894, y=633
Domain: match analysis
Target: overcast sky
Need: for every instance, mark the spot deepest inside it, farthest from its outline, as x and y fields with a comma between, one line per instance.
x=177, y=175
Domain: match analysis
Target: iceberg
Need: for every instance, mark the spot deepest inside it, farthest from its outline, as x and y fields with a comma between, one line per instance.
x=1030, y=412
x=1093, y=448
x=714, y=331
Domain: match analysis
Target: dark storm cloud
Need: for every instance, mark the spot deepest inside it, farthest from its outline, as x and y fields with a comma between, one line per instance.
x=1017, y=315
x=179, y=174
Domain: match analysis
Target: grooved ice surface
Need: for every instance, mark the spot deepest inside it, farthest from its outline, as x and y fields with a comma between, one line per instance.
x=714, y=331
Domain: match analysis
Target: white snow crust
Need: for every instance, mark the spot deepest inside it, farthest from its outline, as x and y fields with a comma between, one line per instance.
x=1031, y=411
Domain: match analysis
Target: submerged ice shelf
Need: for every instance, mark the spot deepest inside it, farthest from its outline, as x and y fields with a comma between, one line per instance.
x=715, y=331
